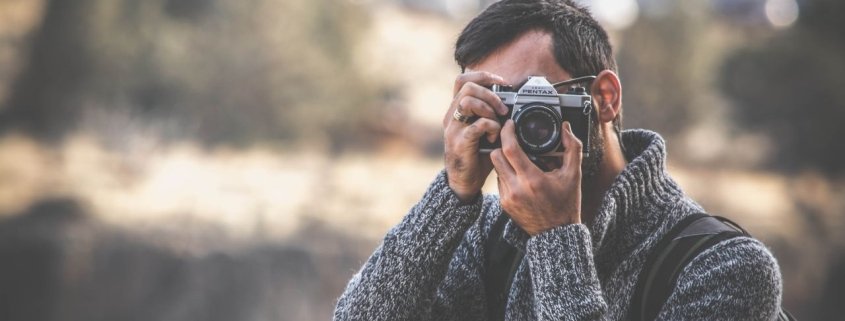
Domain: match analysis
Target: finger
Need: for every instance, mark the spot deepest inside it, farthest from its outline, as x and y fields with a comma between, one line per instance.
x=481, y=127
x=479, y=77
x=484, y=94
x=572, y=150
x=475, y=81
x=514, y=153
x=500, y=163
x=470, y=106
x=504, y=188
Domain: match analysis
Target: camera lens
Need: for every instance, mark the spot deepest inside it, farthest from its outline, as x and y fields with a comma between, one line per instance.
x=538, y=129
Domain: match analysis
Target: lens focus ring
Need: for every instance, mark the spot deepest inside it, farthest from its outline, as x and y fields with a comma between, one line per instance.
x=537, y=128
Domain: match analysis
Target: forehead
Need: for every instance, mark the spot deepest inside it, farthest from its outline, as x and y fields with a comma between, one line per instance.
x=528, y=55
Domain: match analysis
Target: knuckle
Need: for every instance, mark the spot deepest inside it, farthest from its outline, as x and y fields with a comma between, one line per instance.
x=534, y=184
x=497, y=158
x=463, y=103
x=505, y=200
x=486, y=124
x=480, y=126
x=475, y=89
x=472, y=103
x=467, y=87
x=514, y=195
x=471, y=131
x=460, y=79
x=508, y=149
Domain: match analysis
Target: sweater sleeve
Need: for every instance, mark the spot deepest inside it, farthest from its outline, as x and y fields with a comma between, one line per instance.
x=737, y=279
x=398, y=282
x=462, y=294
x=564, y=280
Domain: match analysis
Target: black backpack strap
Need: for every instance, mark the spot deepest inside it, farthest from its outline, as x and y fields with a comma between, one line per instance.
x=501, y=259
x=688, y=238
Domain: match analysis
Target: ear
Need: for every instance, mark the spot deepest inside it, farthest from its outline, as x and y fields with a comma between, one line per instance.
x=607, y=95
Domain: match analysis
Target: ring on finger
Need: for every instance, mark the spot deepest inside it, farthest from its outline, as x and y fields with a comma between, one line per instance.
x=460, y=117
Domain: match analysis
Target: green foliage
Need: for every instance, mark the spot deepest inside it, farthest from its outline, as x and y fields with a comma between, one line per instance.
x=791, y=89
x=220, y=72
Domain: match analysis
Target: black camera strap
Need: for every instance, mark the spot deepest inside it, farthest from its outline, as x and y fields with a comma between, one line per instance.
x=501, y=261
x=579, y=80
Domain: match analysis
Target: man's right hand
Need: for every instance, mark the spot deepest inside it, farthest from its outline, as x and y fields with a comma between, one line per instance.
x=465, y=167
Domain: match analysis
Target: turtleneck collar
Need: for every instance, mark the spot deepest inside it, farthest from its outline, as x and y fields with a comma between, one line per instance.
x=626, y=213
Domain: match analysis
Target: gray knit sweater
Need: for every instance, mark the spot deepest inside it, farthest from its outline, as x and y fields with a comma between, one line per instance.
x=430, y=266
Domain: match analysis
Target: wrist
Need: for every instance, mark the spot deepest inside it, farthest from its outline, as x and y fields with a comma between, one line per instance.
x=465, y=195
x=548, y=225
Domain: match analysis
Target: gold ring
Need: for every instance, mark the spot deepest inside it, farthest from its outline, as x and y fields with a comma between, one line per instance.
x=461, y=118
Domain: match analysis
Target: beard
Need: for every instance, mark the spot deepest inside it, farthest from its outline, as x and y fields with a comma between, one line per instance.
x=590, y=165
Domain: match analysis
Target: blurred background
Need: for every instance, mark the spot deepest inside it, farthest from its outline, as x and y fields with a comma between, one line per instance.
x=239, y=160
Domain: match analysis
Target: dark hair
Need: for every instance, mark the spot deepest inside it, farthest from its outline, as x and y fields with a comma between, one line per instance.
x=580, y=44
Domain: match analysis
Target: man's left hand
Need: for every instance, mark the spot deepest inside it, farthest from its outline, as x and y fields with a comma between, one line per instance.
x=536, y=200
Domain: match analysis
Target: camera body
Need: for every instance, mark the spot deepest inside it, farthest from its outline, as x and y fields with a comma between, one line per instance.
x=538, y=112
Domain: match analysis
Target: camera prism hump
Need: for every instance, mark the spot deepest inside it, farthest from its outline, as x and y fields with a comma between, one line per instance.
x=538, y=112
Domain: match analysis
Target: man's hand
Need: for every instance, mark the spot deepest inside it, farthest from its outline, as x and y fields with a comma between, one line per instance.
x=538, y=201
x=465, y=167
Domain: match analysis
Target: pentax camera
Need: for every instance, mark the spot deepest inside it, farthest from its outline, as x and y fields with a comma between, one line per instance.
x=538, y=112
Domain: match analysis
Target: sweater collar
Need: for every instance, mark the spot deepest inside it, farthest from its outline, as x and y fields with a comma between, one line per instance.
x=626, y=214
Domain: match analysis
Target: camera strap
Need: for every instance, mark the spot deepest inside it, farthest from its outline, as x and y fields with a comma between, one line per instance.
x=501, y=261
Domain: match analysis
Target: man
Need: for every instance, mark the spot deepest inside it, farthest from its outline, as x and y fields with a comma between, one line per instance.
x=585, y=227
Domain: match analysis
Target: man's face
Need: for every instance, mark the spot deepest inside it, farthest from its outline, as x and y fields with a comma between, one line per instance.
x=531, y=55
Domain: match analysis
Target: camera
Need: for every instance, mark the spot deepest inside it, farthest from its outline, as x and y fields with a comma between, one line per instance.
x=538, y=112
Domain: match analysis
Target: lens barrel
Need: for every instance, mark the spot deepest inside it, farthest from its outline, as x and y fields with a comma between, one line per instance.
x=537, y=128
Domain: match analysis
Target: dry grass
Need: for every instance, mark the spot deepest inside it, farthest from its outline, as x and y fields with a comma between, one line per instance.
x=251, y=193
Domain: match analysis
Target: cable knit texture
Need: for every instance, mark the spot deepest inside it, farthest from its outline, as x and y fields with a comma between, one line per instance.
x=430, y=266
